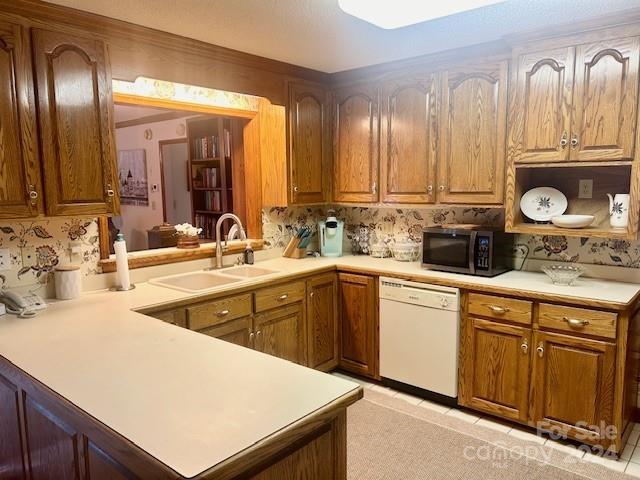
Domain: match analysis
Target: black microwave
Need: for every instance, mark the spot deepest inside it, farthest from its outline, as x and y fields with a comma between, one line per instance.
x=471, y=249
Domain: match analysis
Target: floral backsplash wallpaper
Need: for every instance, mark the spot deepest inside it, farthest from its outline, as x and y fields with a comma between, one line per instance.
x=51, y=238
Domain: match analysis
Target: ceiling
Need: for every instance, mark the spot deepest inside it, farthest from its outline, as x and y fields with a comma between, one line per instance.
x=123, y=113
x=317, y=34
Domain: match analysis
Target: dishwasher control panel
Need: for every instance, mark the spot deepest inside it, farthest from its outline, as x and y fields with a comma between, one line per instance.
x=415, y=293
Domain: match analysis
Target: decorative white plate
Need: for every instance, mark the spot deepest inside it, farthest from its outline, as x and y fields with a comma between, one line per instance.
x=573, y=221
x=541, y=204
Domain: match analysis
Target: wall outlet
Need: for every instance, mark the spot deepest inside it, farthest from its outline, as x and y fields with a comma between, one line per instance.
x=585, y=188
x=29, y=257
x=5, y=259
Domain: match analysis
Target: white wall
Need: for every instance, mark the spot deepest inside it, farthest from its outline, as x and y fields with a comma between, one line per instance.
x=138, y=219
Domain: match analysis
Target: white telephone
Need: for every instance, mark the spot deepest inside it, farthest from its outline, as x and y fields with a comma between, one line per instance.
x=24, y=305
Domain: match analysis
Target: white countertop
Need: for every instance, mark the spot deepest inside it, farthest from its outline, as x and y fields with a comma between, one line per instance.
x=190, y=400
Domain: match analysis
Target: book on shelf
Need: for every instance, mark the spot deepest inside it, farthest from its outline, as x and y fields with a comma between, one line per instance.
x=206, y=178
x=227, y=143
x=204, y=147
x=208, y=225
x=211, y=201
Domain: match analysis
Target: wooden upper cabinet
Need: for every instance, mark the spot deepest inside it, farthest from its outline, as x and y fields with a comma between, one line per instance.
x=408, y=140
x=540, y=114
x=473, y=134
x=310, y=148
x=573, y=383
x=356, y=118
x=20, y=187
x=605, y=100
x=74, y=96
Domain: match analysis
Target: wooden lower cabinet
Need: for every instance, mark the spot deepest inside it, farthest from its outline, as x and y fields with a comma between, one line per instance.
x=494, y=371
x=280, y=332
x=322, y=322
x=572, y=385
x=359, y=336
x=563, y=373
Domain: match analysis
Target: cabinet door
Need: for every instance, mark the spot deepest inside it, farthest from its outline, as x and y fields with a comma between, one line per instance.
x=20, y=190
x=494, y=368
x=236, y=331
x=280, y=332
x=473, y=134
x=408, y=140
x=540, y=116
x=74, y=96
x=322, y=322
x=572, y=384
x=359, y=347
x=309, y=134
x=11, y=450
x=356, y=144
x=605, y=100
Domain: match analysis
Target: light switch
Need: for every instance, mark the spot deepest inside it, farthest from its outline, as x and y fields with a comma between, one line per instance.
x=585, y=188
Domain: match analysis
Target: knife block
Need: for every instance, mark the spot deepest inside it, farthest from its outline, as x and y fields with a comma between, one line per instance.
x=292, y=250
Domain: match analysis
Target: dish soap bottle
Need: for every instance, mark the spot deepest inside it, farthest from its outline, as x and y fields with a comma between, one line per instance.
x=248, y=254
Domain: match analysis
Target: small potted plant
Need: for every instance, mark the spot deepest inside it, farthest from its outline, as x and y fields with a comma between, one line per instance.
x=188, y=236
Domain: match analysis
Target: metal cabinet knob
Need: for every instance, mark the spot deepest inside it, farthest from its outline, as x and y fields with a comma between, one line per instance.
x=295, y=189
x=563, y=140
x=429, y=188
x=574, y=141
x=312, y=294
x=540, y=350
x=374, y=188
x=441, y=188
x=223, y=313
x=498, y=309
x=525, y=346
x=283, y=297
x=33, y=194
x=110, y=192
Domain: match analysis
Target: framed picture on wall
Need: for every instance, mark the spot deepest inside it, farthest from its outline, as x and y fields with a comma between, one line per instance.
x=132, y=174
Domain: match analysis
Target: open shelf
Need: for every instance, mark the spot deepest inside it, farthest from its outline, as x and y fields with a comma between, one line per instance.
x=607, y=177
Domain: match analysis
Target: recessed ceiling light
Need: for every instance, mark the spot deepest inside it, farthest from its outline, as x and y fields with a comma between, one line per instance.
x=390, y=14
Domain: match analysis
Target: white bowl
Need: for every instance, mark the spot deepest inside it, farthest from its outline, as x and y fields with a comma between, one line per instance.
x=572, y=221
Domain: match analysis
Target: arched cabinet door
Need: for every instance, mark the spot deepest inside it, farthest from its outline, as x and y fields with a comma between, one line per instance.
x=20, y=189
x=472, y=135
x=75, y=101
x=408, y=140
x=309, y=147
x=541, y=118
x=356, y=144
x=605, y=100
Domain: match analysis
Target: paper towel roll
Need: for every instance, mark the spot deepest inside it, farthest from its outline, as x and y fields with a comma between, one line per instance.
x=122, y=262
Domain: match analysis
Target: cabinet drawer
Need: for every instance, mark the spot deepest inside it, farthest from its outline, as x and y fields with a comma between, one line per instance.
x=578, y=320
x=218, y=311
x=501, y=308
x=269, y=298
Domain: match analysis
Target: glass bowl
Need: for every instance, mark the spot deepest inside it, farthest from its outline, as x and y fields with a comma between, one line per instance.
x=563, y=274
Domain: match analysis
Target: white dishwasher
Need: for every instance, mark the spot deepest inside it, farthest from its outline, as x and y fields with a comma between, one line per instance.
x=419, y=335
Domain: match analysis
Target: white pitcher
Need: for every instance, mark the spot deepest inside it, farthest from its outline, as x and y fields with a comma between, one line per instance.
x=619, y=210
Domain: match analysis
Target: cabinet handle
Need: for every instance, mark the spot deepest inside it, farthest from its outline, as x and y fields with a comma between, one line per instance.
x=295, y=189
x=574, y=141
x=441, y=188
x=498, y=309
x=110, y=192
x=524, y=346
x=311, y=294
x=540, y=350
x=223, y=313
x=563, y=140
x=33, y=194
x=258, y=334
x=374, y=188
x=251, y=335
x=574, y=322
x=430, y=189
x=283, y=297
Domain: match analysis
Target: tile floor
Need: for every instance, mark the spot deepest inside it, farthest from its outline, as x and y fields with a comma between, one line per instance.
x=628, y=463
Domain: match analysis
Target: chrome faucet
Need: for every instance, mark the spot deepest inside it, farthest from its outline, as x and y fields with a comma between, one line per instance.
x=219, y=247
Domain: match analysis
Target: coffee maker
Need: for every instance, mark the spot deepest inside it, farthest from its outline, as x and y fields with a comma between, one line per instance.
x=330, y=232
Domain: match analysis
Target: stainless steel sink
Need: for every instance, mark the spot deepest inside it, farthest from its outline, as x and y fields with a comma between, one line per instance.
x=247, y=271
x=194, y=282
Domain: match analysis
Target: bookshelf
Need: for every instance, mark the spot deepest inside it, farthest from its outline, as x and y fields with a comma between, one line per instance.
x=210, y=171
